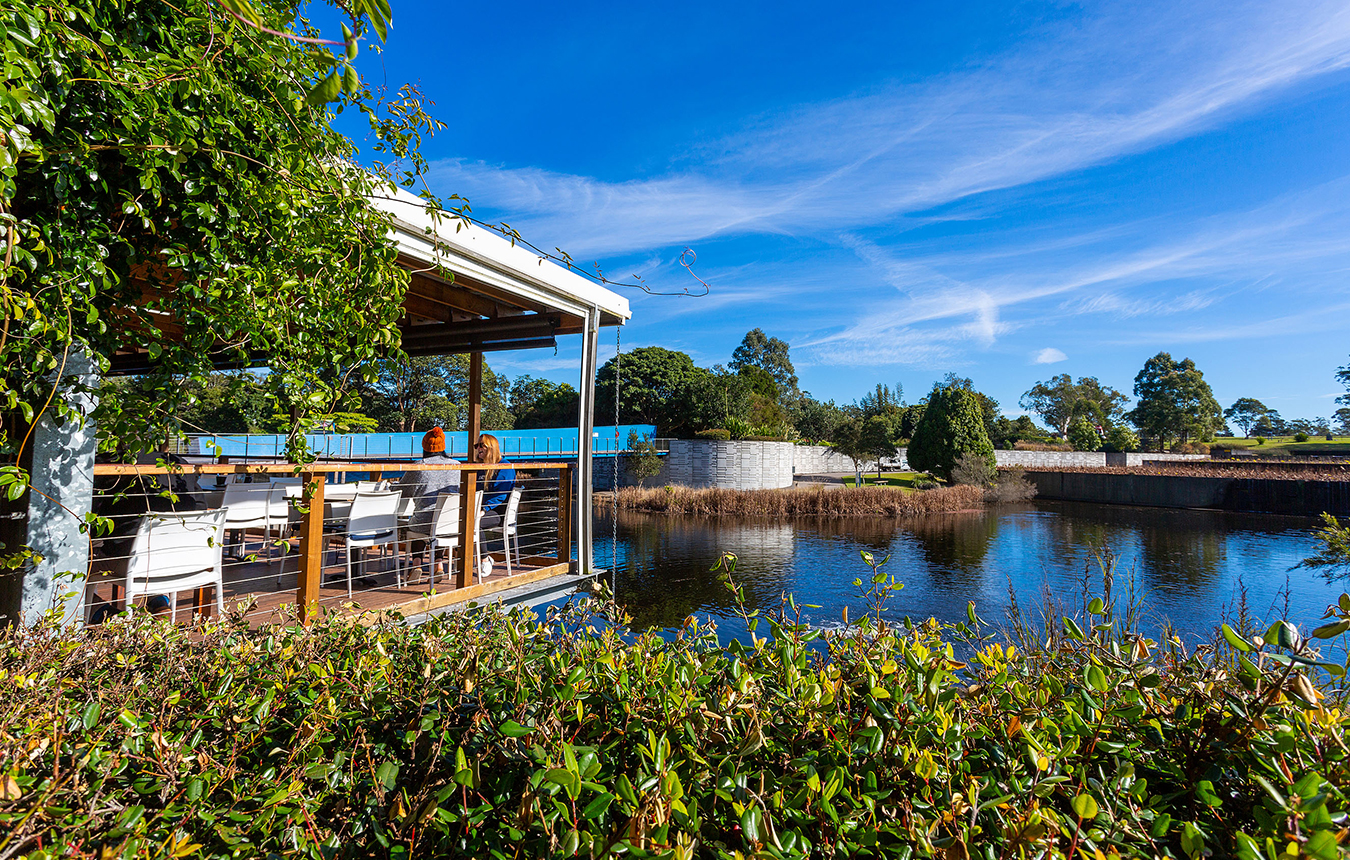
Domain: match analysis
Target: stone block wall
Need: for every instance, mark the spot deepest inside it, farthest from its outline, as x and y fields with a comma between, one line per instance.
x=729, y=465
x=1084, y=459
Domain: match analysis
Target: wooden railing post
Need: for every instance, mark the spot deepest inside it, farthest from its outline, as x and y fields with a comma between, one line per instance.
x=468, y=508
x=311, y=547
x=565, y=516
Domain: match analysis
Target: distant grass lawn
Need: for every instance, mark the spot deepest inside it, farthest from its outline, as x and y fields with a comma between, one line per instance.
x=900, y=480
x=1315, y=445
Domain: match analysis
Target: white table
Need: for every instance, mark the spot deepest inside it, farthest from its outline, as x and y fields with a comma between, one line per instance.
x=338, y=499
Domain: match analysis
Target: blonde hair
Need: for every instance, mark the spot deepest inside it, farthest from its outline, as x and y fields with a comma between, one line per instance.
x=492, y=455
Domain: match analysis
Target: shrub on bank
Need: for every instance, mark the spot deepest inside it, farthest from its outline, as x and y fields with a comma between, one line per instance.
x=717, y=434
x=807, y=502
x=497, y=735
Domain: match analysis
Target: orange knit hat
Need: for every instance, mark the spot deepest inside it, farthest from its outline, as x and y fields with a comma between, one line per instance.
x=434, y=440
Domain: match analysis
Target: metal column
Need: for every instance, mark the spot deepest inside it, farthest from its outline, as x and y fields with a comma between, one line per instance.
x=590, y=346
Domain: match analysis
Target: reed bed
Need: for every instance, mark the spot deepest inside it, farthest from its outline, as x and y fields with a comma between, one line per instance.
x=804, y=502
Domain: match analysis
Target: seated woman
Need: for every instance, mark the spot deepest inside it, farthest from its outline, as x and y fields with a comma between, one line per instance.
x=497, y=483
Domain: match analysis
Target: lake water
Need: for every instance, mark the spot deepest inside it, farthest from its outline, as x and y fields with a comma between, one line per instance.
x=1189, y=566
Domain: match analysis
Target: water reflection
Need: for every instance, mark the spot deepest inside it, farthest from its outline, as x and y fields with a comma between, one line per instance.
x=1188, y=564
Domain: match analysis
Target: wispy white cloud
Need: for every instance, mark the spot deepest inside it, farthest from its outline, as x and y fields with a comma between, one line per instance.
x=1050, y=355
x=1301, y=235
x=1114, y=83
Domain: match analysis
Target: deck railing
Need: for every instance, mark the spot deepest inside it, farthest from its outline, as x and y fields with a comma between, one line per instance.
x=290, y=561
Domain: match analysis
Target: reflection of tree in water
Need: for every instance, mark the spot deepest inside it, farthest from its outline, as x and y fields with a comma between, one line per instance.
x=871, y=533
x=666, y=575
x=1176, y=547
x=954, y=545
x=1180, y=554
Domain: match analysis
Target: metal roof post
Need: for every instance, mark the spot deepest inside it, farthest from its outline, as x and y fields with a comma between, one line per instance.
x=590, y=346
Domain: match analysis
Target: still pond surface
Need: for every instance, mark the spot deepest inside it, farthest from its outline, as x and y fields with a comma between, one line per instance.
x=1189, y=568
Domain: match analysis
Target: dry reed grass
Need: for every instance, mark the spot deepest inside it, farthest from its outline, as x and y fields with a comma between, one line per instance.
x=804, y=502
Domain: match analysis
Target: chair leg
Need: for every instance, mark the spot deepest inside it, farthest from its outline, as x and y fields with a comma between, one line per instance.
x=506, y=550
x=348, y=553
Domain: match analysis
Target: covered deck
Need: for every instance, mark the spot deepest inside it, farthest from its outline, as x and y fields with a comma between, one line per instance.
x=295, y=566
x=470, y=291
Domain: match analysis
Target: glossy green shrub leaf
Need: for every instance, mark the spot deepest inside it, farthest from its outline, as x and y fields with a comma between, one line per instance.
x=1234, y=639
x=1331, y=631
x=1085, y=807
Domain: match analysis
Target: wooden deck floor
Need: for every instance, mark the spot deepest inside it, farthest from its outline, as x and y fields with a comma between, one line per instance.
x=265, y=591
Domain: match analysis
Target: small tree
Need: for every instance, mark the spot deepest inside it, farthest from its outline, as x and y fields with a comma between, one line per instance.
x=1244, y=413
x=952, y=425
x=1122, y=439
x=1083, y=435
x=641, y=460
x=848, y=441
x=878, y=440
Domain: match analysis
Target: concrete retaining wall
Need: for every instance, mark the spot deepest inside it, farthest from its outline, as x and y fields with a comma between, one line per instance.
x=820, y=460
x=729, y=465
x=1083, y=459
x=1299, y=498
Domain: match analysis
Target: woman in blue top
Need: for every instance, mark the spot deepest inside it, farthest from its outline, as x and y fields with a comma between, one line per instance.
x=497, y=483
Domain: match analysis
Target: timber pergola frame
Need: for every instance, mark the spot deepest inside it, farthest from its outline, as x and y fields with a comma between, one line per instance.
x=472, y=291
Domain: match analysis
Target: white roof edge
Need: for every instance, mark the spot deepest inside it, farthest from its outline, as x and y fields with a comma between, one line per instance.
x=490, y=253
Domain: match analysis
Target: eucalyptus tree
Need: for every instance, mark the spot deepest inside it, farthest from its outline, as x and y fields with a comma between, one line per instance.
x=1174, y=401
x=1245, y=413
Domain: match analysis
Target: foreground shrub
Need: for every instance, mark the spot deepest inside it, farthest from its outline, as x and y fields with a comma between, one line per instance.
x=499, y=735
x=1012, y=486
x=805, y=502
x=972, y=470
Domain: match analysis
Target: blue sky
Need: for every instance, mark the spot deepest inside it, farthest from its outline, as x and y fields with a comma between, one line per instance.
x=1007, y=191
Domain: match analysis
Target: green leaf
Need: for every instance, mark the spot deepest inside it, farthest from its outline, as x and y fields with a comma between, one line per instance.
x=1096, y=606
x=1192, y=840
x=350, y=81
x=1085, y=807
x=1072, y=629
x=1323, y=845
x=387, y=774
x=750, y=824
x=597, y=807
x=1236, y=640
x=1331, y=631
x=513, y=729
x=1095, y=677
x=326, y=90
x=90, y=715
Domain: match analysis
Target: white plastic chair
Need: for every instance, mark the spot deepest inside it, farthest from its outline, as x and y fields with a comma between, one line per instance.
x=372, y=486
x=373, y=522
x=250, y=506
x=177, y=552
x=508, y=528
x=442, y=531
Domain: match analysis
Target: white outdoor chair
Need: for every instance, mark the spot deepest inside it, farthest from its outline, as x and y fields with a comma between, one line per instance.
x=442, y=531
x=508, y=528
x=177, y=552
x=251, y=506
x=372, y=486
x=373, y=522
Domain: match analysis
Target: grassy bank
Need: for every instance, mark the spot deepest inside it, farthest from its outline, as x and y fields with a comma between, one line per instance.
x=902, y=480
x=1317, y=445
x=799, y=502
x=504, y=736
